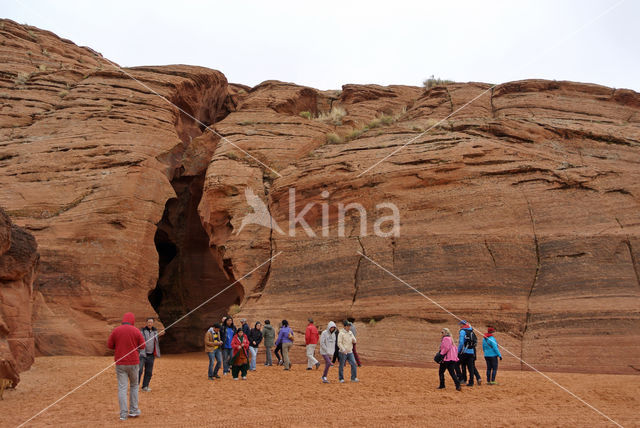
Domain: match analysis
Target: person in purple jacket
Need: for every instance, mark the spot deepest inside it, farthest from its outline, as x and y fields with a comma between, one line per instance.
x=285, y=338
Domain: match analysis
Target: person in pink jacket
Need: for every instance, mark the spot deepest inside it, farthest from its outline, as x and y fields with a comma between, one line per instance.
x=450, y=352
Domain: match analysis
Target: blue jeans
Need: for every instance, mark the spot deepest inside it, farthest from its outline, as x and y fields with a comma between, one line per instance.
x=217, y=356
x=352, y=361
x=254, y=352
x=226, y=356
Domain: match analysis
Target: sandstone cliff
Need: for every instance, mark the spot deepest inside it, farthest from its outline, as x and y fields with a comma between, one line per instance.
x=519, y=211
x=18, y=266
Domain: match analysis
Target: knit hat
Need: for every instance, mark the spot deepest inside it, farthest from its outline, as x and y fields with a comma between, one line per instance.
x=310, y=320
x=491, y=330
x=346, y=323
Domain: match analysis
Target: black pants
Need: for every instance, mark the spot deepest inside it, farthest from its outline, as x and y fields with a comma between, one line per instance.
x=492, y=368
x=278, y=352
x=146, y=365
x=239, y=369
x=449, y=366
x=467, y=362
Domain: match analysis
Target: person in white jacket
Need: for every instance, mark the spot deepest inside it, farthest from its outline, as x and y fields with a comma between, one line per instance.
x=327, y=346
x=346, y=340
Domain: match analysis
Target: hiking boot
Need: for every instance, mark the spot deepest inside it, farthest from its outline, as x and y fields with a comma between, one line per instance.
x=210, y=377
x=134, y=414
x=458, y=388
x=317, y=365
x=244, y=378
x=123, y=417
x=341, y=380
x=308, y=368
x=146, y=389
x=479, y=382
x=355, y=380
x=469, y=384
x=325, y=380
x=441, y=387
x=235, y=378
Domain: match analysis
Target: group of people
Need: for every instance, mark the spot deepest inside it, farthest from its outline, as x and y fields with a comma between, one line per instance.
x=235, y=349
x=460, y=358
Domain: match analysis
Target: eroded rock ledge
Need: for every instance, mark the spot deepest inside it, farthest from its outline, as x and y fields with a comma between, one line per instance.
x=519, y=211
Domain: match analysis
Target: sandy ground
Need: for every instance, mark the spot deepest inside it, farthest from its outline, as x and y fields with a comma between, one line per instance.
x=183, y=396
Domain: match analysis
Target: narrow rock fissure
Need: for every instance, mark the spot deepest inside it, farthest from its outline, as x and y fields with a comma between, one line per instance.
x=486, y=244
x=533, y=284
x=356, y=282
x=263, y=283
x=634, y=264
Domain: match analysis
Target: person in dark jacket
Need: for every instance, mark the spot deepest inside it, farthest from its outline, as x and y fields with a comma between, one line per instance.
x=466, y=352
x=150, y=352
x=255, y=337
x=227, y=333
x=269, y=336
x=127, y=340
x=337, y=350
x=240, y=359
x=245, y=326
x=355, y=334
x=278, y=350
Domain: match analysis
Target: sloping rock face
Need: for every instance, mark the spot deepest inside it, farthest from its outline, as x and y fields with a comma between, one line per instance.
x=518, y=211
x=90, y=161
x=18, y=266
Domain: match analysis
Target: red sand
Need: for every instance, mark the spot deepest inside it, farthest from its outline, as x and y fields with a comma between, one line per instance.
x=182, y=395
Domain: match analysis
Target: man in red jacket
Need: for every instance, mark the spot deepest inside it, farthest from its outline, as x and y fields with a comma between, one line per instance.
x=311, y=340
x=127, y=340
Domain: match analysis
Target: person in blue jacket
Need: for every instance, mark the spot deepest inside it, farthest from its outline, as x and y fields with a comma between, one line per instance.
x=491, y=354
x=227, y=332
x=467, y=350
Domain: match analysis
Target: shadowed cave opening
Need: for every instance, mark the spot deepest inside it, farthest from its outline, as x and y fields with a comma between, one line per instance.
x=189, y=271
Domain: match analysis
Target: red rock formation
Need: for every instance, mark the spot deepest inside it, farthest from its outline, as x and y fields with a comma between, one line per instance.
x=87, y=163
x=18, y=265
x=518, y=211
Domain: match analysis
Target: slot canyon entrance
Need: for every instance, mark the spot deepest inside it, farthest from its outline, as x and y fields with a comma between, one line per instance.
x=190, y=271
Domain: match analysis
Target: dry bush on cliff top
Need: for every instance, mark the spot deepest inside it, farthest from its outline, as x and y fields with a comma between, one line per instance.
x=435, y=81
x=334, y=116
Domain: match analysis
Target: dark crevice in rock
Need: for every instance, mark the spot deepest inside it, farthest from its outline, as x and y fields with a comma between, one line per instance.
x=486, y=244
x=356, y=281
x=190, y=271
x=636, y=268
x=533, y=283
x=263, y=282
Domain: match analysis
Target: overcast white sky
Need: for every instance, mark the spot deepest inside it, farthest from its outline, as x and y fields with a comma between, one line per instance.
x=325, y=44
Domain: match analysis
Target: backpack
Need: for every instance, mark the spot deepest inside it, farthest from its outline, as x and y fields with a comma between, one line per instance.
x=470, y=339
